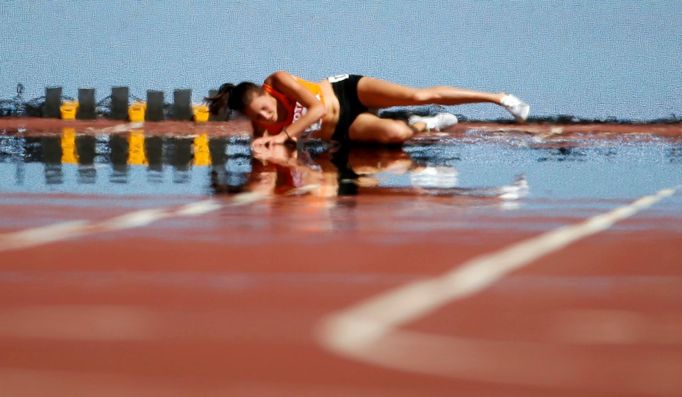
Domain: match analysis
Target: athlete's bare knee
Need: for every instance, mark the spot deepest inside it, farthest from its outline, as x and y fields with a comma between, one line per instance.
x=398, y=132
x=422, y=95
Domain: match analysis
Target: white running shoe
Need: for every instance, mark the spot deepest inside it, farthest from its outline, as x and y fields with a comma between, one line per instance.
x=515, y=191
x=438, y=122
x=518, y=108
x=434, y=177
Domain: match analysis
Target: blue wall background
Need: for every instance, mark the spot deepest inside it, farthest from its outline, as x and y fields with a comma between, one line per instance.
x=591, y=59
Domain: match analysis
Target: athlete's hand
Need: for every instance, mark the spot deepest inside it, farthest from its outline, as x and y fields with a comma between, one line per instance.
x=261, y=144
x=277, y=154
x=264, y=142
x=280, y=138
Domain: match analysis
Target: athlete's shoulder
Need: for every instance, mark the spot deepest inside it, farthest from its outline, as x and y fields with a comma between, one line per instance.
x=279, y=76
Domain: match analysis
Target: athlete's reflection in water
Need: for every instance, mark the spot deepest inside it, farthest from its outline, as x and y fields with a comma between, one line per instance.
x=312, y=170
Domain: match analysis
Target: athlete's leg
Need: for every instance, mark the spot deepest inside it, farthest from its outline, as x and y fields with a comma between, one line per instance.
x=376, y=93
x=368, y=127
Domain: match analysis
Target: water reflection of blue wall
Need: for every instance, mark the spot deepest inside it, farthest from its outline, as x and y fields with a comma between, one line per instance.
x=579, y=169
x=106, y=164
x=592, y=59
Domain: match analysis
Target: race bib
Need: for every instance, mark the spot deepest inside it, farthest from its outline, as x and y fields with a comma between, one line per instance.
x=301, y=110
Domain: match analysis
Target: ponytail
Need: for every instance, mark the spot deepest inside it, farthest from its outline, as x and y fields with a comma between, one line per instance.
x=218, y=102
x=230, y=96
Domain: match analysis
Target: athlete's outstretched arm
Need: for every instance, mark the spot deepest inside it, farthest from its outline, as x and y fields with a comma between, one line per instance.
x=287, y=84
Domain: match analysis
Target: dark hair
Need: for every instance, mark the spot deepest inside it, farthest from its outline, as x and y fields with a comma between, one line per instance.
x=230, y=96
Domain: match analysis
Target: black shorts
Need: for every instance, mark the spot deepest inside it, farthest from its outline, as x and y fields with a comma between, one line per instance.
x=346, y=89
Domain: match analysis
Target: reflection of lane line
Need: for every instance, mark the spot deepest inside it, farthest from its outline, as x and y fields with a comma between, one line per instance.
x=123, y=127
x=72, y=229
x=369, y=330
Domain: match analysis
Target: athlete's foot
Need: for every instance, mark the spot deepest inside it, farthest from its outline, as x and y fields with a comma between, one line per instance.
x=518, y=108
x=515, y=191
x=438, y=122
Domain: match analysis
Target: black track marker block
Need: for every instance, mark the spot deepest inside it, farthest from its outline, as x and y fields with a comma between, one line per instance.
x=182, y=104
x=154, y=106
x=217, y=148
x=119, y=103
x=153, y=146
x=86, y=104
x=53, y=100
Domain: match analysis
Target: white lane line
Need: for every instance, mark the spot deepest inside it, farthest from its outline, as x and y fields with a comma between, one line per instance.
x=42, y=235
x=133, y=219
x=198, y=208
x=359, y=331
x=67, y=230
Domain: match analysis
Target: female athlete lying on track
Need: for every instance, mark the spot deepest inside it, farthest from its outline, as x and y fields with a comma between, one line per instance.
x=288, y=107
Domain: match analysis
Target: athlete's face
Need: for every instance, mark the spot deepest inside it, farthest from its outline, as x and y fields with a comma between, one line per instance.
x=262, y=109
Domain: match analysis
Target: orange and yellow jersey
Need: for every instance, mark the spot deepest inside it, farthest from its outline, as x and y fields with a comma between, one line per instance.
x=294, y=109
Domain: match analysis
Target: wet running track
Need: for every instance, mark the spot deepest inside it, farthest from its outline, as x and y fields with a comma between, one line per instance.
x=492, y=260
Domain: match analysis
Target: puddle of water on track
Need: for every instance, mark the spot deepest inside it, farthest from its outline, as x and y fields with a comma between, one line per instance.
x=431, y=183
